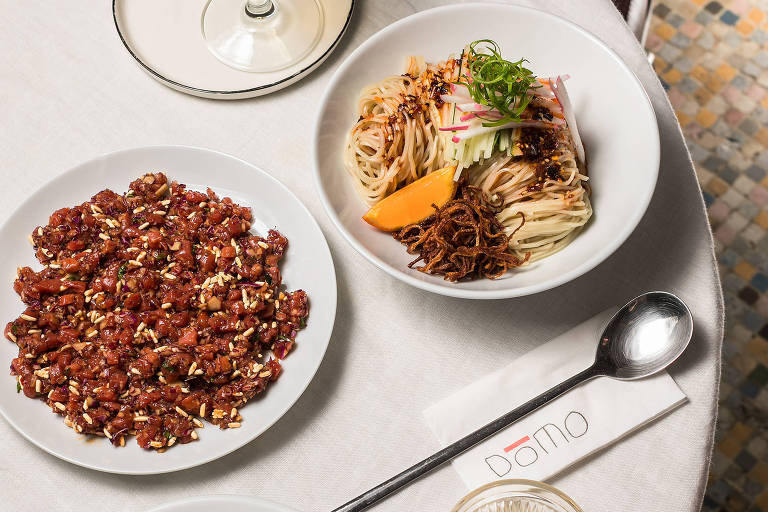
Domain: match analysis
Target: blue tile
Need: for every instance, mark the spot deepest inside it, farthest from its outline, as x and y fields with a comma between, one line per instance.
x=745, y=460
x=675, y=20
x=728, y=174
x=669, y=53
x=703, y=18
x=748, y=209
x=680, y=40
x=729, y=258
x=687, y=85
x=714, y=163
x=760, y=281
x=740, y=82
x=730, y=350
x=719, y=491
x=760, y=36
x=732, y=282
x=753, y=321
x=729, y=18
x=756, y=258
x=664, y=84
x=750, y=389
x=740, y=245
x=736, y=307
x=708, y=199
x=756, y=173
x=698, y=153
x=749, y=126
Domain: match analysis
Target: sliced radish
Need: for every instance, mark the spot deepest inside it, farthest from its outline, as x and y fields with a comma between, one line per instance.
x=460, y=90
x=544, y=81
x=454, y=128
x=452, y=98
x=542, y=92
x=473, y=107
x=570, y=118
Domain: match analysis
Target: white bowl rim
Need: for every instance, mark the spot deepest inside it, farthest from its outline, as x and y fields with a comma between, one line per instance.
x=440, y=286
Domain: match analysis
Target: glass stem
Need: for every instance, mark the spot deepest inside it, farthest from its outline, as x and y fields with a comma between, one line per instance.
x=259, y=8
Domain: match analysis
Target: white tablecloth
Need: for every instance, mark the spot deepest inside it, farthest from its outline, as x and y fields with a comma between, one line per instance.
x=70, y=92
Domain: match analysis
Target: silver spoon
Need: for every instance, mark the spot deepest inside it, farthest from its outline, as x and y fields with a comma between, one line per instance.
x=642, y=338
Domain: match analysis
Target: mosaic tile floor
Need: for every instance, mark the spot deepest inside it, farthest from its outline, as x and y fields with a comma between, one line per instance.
x=712, y=57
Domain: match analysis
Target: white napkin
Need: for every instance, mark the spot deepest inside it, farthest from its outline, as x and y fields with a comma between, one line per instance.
x=559, y=434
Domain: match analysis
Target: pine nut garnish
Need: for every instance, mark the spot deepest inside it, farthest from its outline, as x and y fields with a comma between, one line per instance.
x=162, y=278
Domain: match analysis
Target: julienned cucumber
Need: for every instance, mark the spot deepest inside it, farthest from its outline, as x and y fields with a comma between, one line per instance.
x=480, y=148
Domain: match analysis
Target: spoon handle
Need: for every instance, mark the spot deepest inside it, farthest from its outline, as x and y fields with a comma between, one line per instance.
x=419, y=469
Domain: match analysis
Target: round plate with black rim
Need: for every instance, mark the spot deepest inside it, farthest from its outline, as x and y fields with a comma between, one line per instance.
x=166, y=40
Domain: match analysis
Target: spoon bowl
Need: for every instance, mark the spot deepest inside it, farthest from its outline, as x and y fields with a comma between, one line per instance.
x=644, y=337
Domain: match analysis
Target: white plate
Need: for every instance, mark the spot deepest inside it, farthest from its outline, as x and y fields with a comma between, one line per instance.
x=165, y=39
x=223, y=502
x=614, y=114
x=307, y=265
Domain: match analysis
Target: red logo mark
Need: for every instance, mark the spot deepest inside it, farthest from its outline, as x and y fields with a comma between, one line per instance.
x=516, y=444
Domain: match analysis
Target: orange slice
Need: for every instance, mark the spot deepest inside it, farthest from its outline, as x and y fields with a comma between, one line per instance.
x=413, y=203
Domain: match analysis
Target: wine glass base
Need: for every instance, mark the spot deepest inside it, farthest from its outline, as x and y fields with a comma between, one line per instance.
x=261, y=44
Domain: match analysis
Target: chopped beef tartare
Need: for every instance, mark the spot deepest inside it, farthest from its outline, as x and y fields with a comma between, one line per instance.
x=154, y=310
